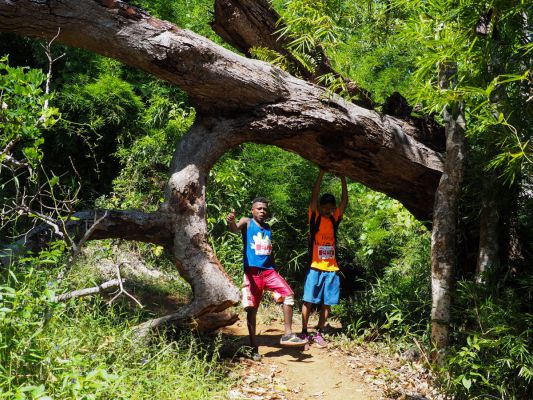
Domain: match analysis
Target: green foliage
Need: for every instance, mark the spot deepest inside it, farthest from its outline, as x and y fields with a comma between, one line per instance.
x=23, y=309
x=493, y=340
x=273, y=57
x=85, y=349
x=23, y=115
x=486, y=41
x=108, y=101
x=308, y=27
x=371, y=53
x=195, y=15
x=359, y=37
x=146, y=161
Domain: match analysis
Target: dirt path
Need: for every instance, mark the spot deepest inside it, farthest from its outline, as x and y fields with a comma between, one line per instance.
x=293, y=374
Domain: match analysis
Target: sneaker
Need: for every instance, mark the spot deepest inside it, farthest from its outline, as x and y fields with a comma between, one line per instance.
x=319, y=341
x=306, y=336
x=292, y=340
x=254, y=355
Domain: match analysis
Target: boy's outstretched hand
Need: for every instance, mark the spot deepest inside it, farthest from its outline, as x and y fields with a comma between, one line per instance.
x=231, y=216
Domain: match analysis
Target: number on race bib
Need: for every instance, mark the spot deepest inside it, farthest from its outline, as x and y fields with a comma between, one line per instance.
x=326, y=252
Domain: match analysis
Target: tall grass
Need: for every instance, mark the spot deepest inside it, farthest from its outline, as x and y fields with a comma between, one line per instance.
x=85, y=349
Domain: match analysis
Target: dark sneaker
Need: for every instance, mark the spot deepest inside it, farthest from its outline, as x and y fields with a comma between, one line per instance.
x=292, y=340
x=255, y=356
x=319, y=341
x=306, y=336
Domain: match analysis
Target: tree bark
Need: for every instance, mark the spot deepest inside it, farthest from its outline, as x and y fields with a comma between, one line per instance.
x=113, y=283
x=489, y=228
x=254, y=23
x=443, y=238
x=213, y=289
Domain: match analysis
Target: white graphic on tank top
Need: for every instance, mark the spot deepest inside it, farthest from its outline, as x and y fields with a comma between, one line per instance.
x=326, y=252
x=261, y=245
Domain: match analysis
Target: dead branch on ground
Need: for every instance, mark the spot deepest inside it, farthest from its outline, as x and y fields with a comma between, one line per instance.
x=88, y=291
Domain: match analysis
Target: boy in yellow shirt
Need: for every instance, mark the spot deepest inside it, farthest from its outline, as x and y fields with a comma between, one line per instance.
x=322, y=284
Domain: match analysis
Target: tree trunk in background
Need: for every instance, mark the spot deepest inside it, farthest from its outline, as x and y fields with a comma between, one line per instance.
x=489, y=227
x=443, y=238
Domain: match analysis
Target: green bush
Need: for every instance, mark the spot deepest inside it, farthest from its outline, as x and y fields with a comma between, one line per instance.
x=492, y=351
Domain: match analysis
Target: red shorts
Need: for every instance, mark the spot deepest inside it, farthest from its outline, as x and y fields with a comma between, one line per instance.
x=257, y=280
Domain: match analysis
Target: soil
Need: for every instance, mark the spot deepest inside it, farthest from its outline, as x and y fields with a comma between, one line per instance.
x=295, y=373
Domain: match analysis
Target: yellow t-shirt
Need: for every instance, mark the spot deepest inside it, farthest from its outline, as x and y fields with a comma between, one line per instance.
x=324, y=246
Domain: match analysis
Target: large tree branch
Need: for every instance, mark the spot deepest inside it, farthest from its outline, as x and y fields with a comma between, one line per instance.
x=361, y=144
x=210, y=74
x=254, y=23
x=375, y=149
x=130, y=225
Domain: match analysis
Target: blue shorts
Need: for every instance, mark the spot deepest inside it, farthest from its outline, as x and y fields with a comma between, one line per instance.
x=322, y=287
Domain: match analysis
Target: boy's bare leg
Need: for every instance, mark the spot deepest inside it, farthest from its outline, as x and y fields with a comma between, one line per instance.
x=251, y=314
x=287, y=318
x=306, y=311
x=324, y=314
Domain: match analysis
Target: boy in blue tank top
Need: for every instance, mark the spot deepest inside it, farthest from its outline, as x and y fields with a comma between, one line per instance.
x=260, y=275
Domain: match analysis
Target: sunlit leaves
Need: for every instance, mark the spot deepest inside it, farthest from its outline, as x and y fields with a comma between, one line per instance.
x=493, y=77
x=271, y=56
x=22, y=113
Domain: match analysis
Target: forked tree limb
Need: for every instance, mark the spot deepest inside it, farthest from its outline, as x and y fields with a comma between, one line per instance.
x=121, y=289
x=254, y=23
x=88, y=291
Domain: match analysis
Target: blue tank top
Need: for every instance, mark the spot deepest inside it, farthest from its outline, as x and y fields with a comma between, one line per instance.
x=257, y=246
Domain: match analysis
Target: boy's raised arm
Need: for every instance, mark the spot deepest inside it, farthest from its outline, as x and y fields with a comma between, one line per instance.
x=344, y=196
x=313, y=204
